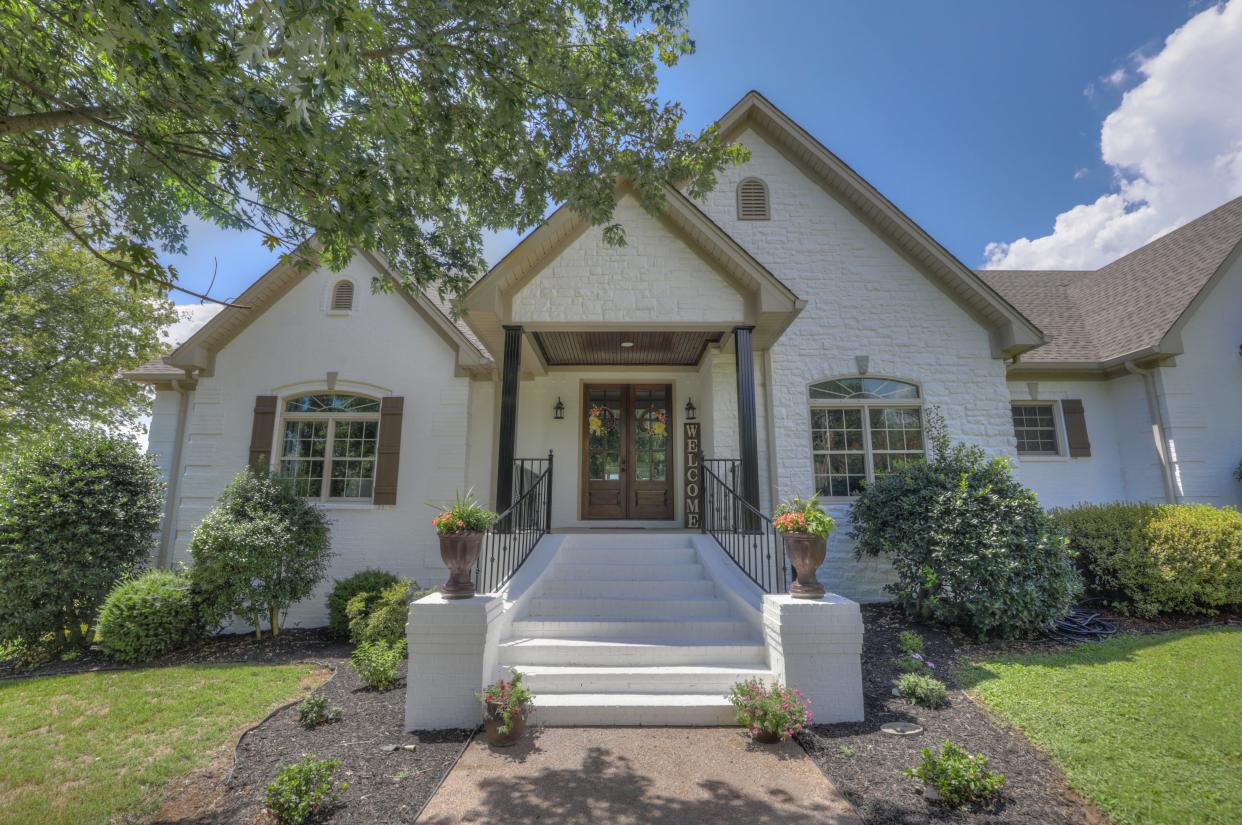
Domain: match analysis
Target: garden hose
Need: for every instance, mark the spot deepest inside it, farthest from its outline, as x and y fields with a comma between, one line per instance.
x=1081, y=625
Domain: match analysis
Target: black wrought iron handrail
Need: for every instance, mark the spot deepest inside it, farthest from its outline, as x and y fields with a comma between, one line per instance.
x=746, y=535
x=518, y=529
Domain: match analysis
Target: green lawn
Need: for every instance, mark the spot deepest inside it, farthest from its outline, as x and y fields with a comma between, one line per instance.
x=80, y=749
x=1150, y=727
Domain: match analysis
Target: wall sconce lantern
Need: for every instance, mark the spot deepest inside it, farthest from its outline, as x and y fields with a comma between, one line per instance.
x=690, y=410
x=558, y=411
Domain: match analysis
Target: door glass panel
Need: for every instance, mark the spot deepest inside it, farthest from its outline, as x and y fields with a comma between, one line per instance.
x=651, y=432
x=603, y=413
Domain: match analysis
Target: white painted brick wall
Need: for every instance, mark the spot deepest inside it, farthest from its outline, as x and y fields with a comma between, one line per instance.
x=815, y=646
x=381, y=348
x=863, y=299
x=654, y=277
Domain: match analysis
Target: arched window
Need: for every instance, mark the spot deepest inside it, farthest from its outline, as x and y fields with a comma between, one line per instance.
x=752, y=200
x=343, y=296
x=328, y=445
x=862, y=428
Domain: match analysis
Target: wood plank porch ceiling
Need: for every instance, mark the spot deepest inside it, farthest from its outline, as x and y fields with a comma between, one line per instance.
x=651, y=347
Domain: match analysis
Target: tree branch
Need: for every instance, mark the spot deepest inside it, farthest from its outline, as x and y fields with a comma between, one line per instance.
x=42, y=121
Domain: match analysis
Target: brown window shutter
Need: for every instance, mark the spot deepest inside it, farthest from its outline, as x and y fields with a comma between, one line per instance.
x=1075, y=428
x=261, y=433
x=389, y=450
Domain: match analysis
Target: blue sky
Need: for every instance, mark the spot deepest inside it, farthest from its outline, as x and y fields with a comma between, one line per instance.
x=984, y=121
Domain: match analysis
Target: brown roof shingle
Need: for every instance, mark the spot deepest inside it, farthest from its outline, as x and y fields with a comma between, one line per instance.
x=1128, y=305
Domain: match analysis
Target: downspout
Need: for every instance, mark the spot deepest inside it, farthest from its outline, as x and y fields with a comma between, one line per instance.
x=168, y=525
x=1157, y=429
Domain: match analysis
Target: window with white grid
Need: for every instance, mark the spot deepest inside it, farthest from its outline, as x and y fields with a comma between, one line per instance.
x=863, y=428
x=1035, y=426
x=328, y=445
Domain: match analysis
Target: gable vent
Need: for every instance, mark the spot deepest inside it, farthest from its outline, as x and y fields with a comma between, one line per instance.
x=752, y=200
x=343, y=296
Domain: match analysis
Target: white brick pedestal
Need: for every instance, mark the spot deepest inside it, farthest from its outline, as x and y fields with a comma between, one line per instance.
x=815, y=645
x=447, y=639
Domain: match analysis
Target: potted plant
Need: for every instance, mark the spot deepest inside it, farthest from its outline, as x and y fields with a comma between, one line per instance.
x=506, y=705
x=461, y=527
x=804, y=528
x=773, y=714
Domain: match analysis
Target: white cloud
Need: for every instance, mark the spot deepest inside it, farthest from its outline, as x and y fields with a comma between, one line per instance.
x=1118, y=77
x=193, y=316
x=1174, y=144
x=1079, y=174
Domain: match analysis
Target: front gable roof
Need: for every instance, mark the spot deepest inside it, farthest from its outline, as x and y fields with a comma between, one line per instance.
x=198, y=352
x=489, y=301
x=1012, y=332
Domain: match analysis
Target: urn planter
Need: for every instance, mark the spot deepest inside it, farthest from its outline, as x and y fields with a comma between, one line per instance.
x=460, y=552
x=806, y=553
x=492, y=723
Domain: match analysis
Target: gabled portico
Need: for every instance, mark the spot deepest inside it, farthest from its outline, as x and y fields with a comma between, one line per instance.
x=677, y=314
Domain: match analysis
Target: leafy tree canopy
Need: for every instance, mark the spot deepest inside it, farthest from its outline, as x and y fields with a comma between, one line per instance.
x=403, y=128
x=67, y=331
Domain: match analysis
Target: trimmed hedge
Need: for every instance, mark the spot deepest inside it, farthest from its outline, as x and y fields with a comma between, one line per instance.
x=148, y=616
x=1158, y=558
x=370, y=581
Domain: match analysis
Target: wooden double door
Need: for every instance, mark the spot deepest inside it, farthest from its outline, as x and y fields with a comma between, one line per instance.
x=627, y=455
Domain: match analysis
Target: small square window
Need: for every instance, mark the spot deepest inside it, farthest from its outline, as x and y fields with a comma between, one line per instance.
x=1035, y=427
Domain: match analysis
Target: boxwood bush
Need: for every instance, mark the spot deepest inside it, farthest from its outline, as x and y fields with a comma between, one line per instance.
x=382, y=617
x=370, y=582
x=1148, y=559
x=971, y=546
x=148, y=616
x=78, y=511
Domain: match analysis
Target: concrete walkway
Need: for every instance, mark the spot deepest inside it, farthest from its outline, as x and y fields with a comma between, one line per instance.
x=637, y=776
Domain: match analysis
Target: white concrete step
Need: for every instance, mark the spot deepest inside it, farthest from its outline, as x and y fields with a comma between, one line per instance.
x=715, y=680
x=670, y=627
x=637, y=556
x=626, y=572
x=641, y=652
x=551, y=607
x=624, y=587
x=628, y=539
x=657, y=710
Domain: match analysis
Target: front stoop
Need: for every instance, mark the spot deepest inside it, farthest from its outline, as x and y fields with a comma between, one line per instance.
x=630, y=629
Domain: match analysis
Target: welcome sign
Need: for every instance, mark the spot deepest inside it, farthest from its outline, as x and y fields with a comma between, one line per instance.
x=693, y=477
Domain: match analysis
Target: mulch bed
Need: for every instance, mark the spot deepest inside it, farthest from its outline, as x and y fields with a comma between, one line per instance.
x=292, y=645
x=386, y=785
x=866, y=765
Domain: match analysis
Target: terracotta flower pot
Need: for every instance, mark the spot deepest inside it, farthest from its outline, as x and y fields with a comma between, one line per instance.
x=491, y=727
x=766, y=737
x=806, y=553
x=460, y=551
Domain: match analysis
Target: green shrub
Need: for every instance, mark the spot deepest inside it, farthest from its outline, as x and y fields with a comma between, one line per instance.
x=957, y=776
x=923, y=690
x=78, y=512
x=370, y=582
x=382, y=617
x=148, y=616
x=914, y=663
x=911, y=642
x=302, y=790
x=970, y=546
x=260, y=549
x=314, y=711
x=376, y=663
x=1157, y=558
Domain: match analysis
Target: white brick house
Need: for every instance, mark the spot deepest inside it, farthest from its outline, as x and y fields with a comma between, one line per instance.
x=798, y=318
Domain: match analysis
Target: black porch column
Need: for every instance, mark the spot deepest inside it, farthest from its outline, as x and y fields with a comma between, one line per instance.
x=509, y=379
x=747, y=435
